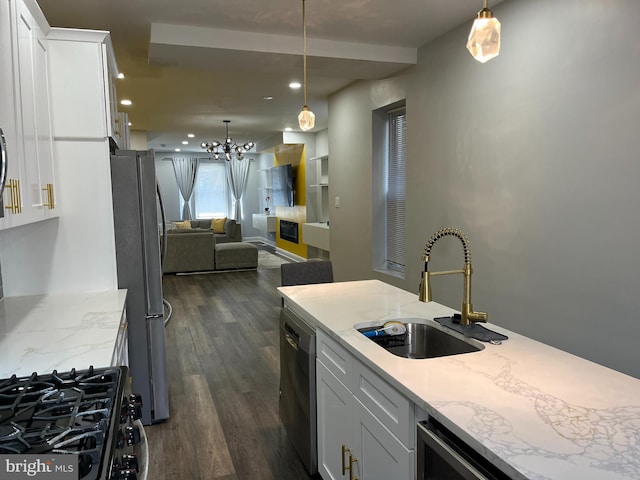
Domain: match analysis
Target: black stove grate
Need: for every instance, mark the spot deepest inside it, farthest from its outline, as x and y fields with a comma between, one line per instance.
x=75, y=412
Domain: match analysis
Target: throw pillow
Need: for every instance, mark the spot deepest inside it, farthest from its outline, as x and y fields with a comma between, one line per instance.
x=217, y=225
x=183, y=225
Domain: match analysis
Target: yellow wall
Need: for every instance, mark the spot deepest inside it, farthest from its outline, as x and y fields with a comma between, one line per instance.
x=294, y=155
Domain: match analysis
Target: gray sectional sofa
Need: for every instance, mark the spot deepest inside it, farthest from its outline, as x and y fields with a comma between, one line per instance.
x=199, y=249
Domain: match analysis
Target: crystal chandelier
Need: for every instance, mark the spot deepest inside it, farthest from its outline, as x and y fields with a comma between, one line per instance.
x=228, y=147
x=306, y=118
x=484, y=38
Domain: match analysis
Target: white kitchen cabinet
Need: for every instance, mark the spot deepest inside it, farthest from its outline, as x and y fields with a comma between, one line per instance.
x=335, y=430
x=26, y=114
x=355, y=441
x=44, y=135
x=85, y=60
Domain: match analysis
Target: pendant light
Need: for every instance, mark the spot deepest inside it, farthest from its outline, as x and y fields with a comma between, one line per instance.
x=306, y=118
x=228, y=147
x=484, y=38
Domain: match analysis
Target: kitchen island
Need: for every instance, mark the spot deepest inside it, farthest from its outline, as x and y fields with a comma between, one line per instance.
x=40, y=333
x=537, y=412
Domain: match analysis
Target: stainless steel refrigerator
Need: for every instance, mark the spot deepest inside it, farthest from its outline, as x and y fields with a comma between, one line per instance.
x=137, y=212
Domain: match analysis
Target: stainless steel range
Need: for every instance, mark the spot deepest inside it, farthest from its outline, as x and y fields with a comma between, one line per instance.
x=87, y=413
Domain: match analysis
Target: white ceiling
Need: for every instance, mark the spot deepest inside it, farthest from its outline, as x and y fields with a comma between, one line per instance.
x=191, y=64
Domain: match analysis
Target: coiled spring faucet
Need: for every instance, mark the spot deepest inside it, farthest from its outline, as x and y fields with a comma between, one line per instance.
x=467, y=315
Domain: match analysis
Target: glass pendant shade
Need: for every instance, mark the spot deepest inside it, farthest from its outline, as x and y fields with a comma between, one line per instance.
x=484, y=38
x=306, y=119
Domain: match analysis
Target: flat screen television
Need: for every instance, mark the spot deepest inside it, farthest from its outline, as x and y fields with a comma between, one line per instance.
x=282, y=185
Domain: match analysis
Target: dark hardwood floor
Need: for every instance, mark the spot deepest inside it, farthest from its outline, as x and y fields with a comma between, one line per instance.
x=223, y=367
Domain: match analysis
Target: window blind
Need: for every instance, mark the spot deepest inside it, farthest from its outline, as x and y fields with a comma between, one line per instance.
x=396, y=188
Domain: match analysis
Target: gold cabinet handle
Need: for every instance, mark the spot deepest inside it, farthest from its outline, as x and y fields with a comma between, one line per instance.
x=10, y=188
x=345, y=450
x=18, y=197
x=351, y=462
x=14, y=197
x=50, y=203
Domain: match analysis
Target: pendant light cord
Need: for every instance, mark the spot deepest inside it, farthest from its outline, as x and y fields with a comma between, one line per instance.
x=304, y=52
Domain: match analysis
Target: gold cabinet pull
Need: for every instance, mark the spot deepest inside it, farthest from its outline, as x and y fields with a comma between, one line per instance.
x=50, y=203
x=13, y=194
x=351, y=462
x=18, y=197
x=345, y=450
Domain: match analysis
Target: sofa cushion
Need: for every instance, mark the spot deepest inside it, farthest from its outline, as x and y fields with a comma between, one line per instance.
x=234, y=255
x=230, y=228
x=189, y=250
x=202, y=224
x=183, y=225
x=218, y=224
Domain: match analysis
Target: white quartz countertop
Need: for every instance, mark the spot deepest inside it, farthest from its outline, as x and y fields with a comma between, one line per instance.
x=40, y=333
x=536, y=411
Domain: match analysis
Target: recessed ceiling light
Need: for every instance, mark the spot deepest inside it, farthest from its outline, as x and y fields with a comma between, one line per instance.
x=129, y=124
x=267, y=97
x=295, y=85
x=126, y=102
x=121, y=75
x=191, y=135
x=288, y=129
x=177, y=149
x=184, y=142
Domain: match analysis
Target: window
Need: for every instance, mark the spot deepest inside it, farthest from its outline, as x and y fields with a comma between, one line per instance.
x=396, y=187
x=389, y=189
x=210, y=195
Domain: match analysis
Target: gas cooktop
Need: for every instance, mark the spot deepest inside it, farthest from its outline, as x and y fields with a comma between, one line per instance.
x=72, y=413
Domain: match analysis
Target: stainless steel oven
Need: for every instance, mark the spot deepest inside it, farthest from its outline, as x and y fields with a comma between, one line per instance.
x=442, y=455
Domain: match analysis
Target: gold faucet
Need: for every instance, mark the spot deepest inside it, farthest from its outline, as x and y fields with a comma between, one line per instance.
x=467, y=315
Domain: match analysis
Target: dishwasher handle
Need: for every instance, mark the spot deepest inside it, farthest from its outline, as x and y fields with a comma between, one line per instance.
x=293, y=342
x=299, y=332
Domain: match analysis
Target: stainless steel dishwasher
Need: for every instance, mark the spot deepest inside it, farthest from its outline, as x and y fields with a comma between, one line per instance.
x=298, y=386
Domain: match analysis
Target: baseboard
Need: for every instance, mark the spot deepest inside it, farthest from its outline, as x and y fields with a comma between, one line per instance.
x=291, y=256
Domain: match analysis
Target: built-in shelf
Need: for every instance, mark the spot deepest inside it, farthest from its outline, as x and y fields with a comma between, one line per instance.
x=318, y=193
x=316, y=235
x=264, y=189
x=265, y=223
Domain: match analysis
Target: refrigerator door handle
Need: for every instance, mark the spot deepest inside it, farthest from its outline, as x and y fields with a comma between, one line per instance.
x=3, y=162
x=163, y=252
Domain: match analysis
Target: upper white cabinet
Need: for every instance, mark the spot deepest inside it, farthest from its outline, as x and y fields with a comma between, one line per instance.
x=83, y=66
x=26, y=114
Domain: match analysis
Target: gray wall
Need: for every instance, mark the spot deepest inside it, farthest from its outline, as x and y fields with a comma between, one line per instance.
x=533, y=156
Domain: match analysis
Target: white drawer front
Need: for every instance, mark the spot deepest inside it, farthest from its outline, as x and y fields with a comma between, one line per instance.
x=391, y=408
x=335, y=357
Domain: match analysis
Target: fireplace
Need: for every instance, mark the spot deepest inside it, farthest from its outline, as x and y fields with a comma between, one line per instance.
x=289, y=231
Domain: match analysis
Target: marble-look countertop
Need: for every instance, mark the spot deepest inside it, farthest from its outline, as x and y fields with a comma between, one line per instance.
x=40, y=333
x=535, y=411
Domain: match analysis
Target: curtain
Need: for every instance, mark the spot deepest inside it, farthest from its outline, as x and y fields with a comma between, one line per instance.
x=186, y=171
x=237, y=175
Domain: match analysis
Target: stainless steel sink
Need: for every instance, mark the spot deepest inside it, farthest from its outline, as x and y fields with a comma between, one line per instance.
x=423, y=341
